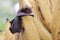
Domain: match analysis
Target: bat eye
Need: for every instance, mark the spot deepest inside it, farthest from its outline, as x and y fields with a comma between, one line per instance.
x=12, y=21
